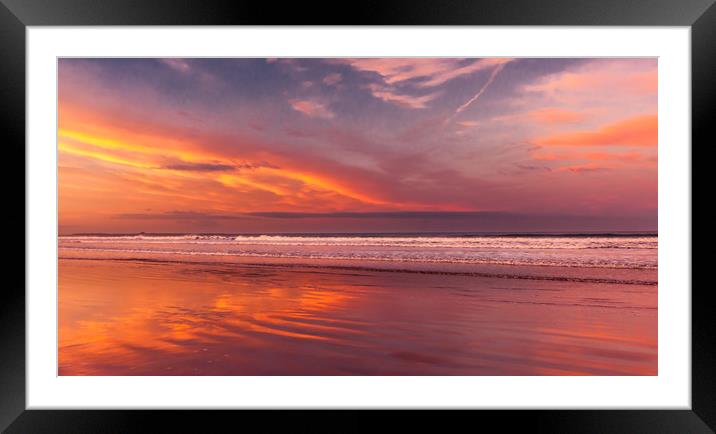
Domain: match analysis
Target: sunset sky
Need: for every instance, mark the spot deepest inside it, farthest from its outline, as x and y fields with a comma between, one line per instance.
x=366, y=145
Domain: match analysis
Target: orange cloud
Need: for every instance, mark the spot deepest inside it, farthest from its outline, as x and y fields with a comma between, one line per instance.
x=158, y=163
x=635, y=131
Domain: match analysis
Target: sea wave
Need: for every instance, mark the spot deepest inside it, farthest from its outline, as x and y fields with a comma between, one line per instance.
x=403, y=257
x=448, y=242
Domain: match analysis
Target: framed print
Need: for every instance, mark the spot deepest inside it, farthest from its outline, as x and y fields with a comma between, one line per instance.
x=473, y=206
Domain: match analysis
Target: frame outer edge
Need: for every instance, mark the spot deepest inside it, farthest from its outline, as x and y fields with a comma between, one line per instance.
x=12, y=306
x=539, y=421
x=374, y=12
x=12, y=96
x=703, y=330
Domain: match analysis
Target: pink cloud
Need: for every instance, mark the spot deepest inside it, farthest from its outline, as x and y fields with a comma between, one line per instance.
x=601, y=78
x=310, y=108
x=584, y=105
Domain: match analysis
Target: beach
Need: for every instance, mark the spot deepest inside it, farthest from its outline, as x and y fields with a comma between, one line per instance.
x=150, y=310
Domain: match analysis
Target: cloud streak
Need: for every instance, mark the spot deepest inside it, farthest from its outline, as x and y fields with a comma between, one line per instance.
x=200, y=167
x=482, y=90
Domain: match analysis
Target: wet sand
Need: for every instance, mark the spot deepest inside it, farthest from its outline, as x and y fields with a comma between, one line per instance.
x=133, y=317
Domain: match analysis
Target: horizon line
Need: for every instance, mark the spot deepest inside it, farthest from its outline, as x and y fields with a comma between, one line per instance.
x=488, y=232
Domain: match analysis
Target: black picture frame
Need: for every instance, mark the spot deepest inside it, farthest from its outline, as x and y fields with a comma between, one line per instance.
x=16, y=15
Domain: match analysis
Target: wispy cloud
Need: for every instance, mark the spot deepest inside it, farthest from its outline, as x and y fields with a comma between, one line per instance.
x=482, y=64
x=427, y=72
x=389, y=94
x=181, y=65
x=419, y=73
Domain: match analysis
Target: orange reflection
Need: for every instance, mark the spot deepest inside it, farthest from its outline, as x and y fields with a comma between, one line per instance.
x=163, y=318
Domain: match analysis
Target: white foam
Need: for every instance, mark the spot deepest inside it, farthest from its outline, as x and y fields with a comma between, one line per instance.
x=639, y=252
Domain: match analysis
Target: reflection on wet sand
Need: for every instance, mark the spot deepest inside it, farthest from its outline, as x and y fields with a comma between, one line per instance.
x=143, y=318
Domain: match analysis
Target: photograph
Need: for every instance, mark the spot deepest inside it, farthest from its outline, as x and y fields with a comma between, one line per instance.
x=364, y=216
